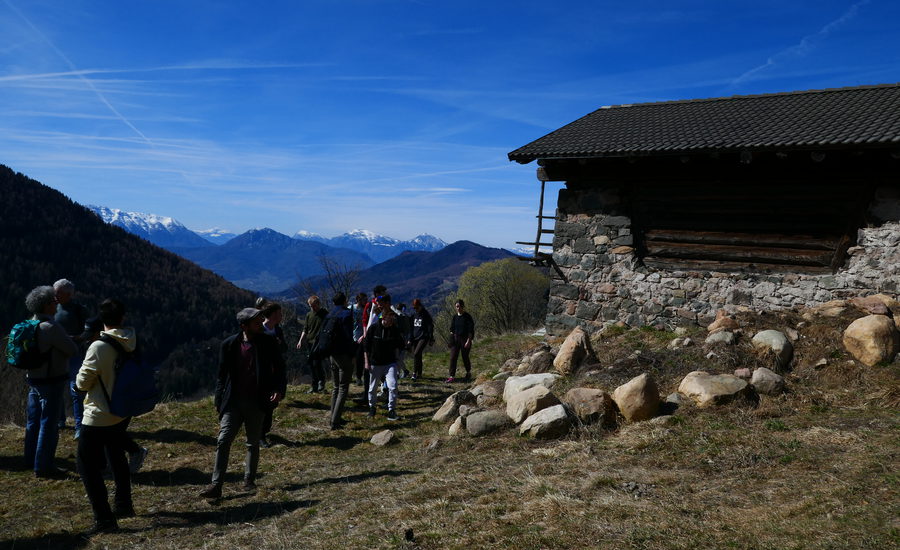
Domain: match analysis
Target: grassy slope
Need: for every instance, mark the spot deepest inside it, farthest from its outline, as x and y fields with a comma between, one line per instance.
x=815, y=468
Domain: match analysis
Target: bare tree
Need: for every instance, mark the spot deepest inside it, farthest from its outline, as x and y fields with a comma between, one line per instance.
x=336, y=277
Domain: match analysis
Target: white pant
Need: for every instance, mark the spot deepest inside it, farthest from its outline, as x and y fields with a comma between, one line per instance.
x=390, y=375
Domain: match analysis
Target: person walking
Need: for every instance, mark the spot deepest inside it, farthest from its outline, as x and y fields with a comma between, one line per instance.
x=103, y=434
x=422, y=335
x=343, y=350
x=358, y=324
x=308, y=339
x=46, y=384
x=273, y=315
x=251, y=380
x=383, y=345
x=462, y=332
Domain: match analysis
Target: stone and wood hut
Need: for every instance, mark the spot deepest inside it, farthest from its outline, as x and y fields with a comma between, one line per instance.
x=673, y=210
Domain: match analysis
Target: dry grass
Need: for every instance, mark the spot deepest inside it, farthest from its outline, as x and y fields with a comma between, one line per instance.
x=815, y=468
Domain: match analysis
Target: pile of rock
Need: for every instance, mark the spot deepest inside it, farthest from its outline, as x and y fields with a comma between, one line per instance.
x=522, y=394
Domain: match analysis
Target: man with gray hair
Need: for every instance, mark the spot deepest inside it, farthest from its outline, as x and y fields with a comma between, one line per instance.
x=72, y=317
x=46, y=384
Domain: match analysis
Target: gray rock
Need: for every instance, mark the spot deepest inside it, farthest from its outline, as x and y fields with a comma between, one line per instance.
x=722, y=337
x=547, y=423
x=767, y=382
x=457, y=427
x=525, y=403
x=466, y=410
x=575, y=350
x=591, y=405
x=502, y=375
x=777, y=343
x=716, y=389
x=515, y=384
x=486, y=422
x=383, y=438
x=450, y=409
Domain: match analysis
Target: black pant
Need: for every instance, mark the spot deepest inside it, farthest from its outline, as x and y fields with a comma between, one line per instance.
x=317, y=370
x=94, y=444
x=341, y=370
x=457, y=347
x=418, y=348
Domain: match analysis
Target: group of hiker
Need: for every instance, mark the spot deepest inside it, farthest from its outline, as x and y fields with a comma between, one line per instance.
x=81, y=356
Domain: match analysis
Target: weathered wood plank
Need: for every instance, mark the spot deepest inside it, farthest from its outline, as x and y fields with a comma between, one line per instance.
x=780, y=240
x=673, y=264
x=794, y=256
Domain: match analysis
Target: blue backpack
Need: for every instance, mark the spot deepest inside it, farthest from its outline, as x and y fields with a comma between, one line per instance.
x=134, y=390
x=22, y=351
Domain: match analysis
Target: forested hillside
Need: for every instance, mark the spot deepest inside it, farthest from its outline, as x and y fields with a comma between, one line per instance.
x=175, y=305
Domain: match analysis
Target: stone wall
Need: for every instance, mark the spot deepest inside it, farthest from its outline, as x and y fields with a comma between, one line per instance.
x=606, y=283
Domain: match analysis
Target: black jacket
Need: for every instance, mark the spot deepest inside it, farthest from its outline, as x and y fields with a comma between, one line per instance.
x=382, y=344
x=270, y=375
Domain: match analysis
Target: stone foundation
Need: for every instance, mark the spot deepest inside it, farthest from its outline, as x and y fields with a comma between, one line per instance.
x=607, y=283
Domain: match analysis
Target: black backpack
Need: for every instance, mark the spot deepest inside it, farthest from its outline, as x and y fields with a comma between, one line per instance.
x=333, y=338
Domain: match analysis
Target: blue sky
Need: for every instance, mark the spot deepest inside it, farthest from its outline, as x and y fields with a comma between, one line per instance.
x=393, y=116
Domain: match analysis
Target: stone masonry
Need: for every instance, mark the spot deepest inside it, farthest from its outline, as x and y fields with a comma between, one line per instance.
x=593, y=246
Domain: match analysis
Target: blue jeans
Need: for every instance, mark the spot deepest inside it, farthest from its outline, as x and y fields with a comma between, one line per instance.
x=42, y=424
x=77, y=396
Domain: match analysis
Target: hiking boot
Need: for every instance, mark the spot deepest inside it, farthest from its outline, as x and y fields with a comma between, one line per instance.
x=51, y=473
x=101, y=526
x=213, y=491
x=264, y=442
x=371, y=412
x=249, y=486
x=136, y=460
x=467, y=378
x=124, y=511
x=392, y=414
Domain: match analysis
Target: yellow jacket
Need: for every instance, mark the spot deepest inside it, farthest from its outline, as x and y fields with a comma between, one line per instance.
x=99, y=364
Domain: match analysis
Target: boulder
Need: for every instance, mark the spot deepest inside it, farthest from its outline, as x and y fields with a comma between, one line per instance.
x=515, y=384
x=457, y=427
x=723, y=322
x=486, y=422
x=767, y=382
x=466, y=410
x=527, y=402
x=743, y=373
x=503, y=375
x=776, y=343
x=721, y=337
x=872, y=305
x=542, y=361
x=491, y=393
x=833, y=308
x=573, y=352
x=450, y=409
x=548, y=423
x=590, y=405
x=383, y=438
x=872, y=339
x=637, y=399
x=715, y=389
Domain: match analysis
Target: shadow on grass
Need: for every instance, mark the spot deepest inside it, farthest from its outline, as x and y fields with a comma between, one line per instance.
x=356, y=478
x=50, y=541
x=294, y=404
x=225, y=515
x=172, y=478
x=170, y=435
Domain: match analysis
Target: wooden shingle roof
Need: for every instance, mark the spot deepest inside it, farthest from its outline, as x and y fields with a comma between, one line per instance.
x=863, y=116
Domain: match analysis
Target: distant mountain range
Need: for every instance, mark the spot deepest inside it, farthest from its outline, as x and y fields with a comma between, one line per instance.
x=429, y=276
x=170, y=234
x=377, y=247
x=267, y=261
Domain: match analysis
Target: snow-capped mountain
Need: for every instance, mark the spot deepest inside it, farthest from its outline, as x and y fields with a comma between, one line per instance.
x=304, y=235
x=216, y=235
x=162, y=231
x=378, y=247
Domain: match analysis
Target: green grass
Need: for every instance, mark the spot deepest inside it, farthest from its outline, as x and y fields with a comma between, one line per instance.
x=779, y=476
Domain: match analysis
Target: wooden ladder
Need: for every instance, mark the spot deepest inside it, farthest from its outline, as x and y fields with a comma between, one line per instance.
x=542, y=258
